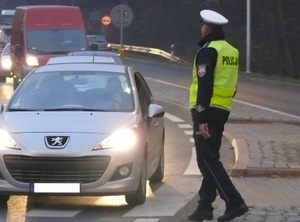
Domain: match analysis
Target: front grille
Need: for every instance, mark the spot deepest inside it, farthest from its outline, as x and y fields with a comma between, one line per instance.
x=27, y=169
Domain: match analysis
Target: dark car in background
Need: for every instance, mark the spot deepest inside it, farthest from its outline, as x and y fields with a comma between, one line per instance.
x=98, y=42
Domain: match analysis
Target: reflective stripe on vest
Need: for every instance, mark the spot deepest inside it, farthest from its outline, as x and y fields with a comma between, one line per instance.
x=225, y=76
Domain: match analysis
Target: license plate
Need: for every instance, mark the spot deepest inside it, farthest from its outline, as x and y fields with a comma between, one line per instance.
x=54, y=187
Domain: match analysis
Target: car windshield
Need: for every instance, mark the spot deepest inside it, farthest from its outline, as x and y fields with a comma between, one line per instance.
x=74, y=91
x=55, y=41
x=97, y=39
x=6, y=19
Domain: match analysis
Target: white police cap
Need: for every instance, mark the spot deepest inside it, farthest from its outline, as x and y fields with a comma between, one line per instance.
x=212, y=17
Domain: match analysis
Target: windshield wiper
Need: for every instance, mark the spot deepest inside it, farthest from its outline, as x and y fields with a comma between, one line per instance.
x=75, y=109
x=22, y=109
x=36, y=51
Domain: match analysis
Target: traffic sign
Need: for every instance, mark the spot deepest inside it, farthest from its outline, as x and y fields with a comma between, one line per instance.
x=121, y=15
x=106, y=20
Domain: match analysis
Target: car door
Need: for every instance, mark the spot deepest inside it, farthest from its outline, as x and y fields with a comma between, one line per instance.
x=154, y=125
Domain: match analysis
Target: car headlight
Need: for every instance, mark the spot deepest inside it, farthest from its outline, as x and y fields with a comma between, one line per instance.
x=121, y=139
x=6, y=141
x=6, y=63
x=32, y=60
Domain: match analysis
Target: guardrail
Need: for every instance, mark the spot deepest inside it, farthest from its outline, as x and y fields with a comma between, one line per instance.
x=154, y=51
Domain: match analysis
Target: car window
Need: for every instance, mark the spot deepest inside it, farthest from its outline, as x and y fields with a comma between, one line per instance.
x=144, y=93
x=77, y=90
x=97, y=39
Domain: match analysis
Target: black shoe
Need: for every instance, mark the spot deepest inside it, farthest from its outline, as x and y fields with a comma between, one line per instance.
x=200, y=215
x=233, y=212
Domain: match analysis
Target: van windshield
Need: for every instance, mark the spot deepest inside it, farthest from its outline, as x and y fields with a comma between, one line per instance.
x=6, y=19
x=55, y=41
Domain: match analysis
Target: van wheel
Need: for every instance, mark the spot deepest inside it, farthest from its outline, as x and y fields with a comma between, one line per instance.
x=139, y=196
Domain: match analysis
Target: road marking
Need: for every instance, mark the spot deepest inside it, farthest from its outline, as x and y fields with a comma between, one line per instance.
x=39, y=212
x=168, y=83
x=168, y=199
x=192, y=168
x=189, y=133
x=267, y=109
x=185, y=126
x=173, y=118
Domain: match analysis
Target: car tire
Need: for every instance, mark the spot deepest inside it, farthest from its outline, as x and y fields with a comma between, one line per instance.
x=4, y=198
x=139, y=196
x=159, y=172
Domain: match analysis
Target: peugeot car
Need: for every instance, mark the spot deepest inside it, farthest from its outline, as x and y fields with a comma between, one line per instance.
x=81, y=128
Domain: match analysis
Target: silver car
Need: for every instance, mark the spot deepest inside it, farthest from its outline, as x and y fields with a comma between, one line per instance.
x=81, y=129
x=115, y=56
x=98, y=42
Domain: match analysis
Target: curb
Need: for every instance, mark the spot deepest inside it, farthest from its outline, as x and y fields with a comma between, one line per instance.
x=241, y=154
x=273, y=172
x=240, y=168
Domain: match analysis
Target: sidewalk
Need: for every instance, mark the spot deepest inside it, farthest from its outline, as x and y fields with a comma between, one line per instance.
x=267, y=167
x=266, y=143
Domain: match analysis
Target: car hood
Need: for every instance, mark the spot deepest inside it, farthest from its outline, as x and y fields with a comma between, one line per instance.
x=66, y=122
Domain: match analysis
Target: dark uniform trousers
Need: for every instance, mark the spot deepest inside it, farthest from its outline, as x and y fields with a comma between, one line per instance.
x=215, y=177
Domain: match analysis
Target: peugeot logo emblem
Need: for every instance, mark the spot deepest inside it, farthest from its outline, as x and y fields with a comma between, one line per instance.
x=56, y=142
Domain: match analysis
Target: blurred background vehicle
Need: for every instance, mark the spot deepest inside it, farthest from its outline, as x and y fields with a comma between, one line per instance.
x=5, y=63
x=40, y=32
x=98, y=42
x=6, y=18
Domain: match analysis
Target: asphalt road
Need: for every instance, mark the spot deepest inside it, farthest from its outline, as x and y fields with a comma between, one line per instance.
x=268, y=93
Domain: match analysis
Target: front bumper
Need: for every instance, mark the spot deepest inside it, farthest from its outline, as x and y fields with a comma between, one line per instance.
x=18, y=173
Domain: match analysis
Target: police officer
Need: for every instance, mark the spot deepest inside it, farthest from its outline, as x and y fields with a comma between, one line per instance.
x=214, y=80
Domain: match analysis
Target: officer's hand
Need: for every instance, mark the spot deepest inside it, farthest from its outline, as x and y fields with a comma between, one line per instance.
x=203, y=127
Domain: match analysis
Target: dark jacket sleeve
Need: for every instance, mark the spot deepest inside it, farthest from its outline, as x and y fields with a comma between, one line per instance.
x=206, y=63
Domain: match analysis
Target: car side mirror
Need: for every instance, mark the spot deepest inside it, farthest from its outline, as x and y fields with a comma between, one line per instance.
x=155, y=110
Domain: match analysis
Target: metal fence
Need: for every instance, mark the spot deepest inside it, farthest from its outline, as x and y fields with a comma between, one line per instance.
x=170, y=56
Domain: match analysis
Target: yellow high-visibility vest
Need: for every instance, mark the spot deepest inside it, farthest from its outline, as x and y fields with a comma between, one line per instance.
x=225, y=76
